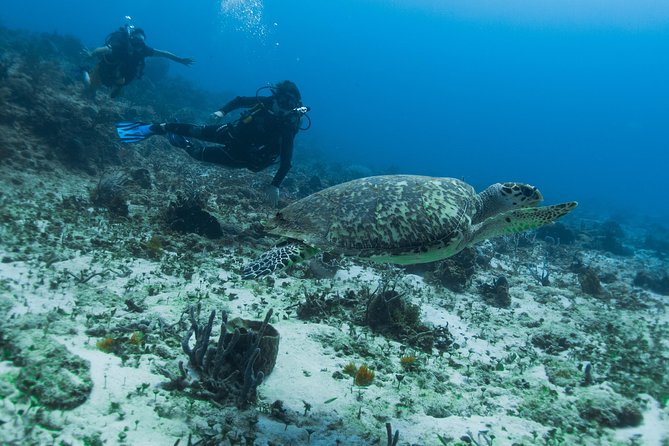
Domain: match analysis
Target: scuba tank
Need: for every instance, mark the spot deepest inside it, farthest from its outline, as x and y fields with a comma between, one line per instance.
x=293, y=116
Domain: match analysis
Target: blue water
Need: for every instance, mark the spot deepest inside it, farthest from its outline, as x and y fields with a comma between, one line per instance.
x=570, y=96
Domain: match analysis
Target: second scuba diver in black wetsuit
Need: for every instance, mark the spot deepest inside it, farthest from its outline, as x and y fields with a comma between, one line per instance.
x=262, y=136
x=122, y=60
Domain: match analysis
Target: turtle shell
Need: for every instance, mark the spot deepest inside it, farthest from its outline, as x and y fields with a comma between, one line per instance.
x=396, y=218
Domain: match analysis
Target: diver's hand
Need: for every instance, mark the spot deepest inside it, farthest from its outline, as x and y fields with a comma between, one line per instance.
x=272, y=195
x=86, y=52
x=186, y=61
x=216, y=116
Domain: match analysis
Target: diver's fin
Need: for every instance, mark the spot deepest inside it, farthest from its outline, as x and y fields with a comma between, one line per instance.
x=134, y=131
x=178, y=141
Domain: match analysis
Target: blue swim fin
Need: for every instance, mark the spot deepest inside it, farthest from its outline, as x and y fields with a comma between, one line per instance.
x=133, y=131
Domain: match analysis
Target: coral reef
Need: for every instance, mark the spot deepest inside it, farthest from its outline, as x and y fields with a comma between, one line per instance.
x=455, y=272
x=590, y=283
x=610, y=237
x=187, y=214
x=497, y=293
x=389, y=313
x=657, y=282
x=111, y=193
x=50, y=374
x=558, y=232
x=608, y=409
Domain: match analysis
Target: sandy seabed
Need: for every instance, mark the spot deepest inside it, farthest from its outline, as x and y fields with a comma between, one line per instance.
x=502, y=376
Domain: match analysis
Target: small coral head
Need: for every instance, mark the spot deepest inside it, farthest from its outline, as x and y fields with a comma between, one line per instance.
x=364, y=376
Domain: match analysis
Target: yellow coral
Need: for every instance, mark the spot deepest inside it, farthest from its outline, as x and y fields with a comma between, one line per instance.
x=408, y=362
x=364, y=376
x=106, y=344
x=350, y=369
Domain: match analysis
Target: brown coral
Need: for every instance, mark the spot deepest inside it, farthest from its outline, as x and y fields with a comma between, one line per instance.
x=364, y=376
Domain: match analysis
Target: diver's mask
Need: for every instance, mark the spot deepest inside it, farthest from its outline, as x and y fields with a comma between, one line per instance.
x=136, y=36
x=285, y=103
x=137, y=40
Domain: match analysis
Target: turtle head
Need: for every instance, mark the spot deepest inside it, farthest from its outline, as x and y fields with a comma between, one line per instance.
x=518, y=195
x=502, y=197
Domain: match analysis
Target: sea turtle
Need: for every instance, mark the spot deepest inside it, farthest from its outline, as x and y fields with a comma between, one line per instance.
x=402, y=219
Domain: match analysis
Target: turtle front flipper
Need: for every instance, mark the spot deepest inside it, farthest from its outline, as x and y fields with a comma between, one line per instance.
x=278, y=258
x=519, y=220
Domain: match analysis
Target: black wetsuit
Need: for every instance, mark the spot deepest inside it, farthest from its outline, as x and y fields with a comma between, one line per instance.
x=255, y=141
x=126, y=60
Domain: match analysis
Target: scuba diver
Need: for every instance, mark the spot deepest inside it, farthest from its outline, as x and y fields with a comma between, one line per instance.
x=263, y=135
x=122, y=60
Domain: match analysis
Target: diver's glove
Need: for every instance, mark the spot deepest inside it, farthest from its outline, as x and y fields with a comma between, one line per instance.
x=216, y=116
x=272, y=195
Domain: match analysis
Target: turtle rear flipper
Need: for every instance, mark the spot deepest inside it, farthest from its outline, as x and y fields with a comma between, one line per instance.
x=519, y=220
x=278, y=258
